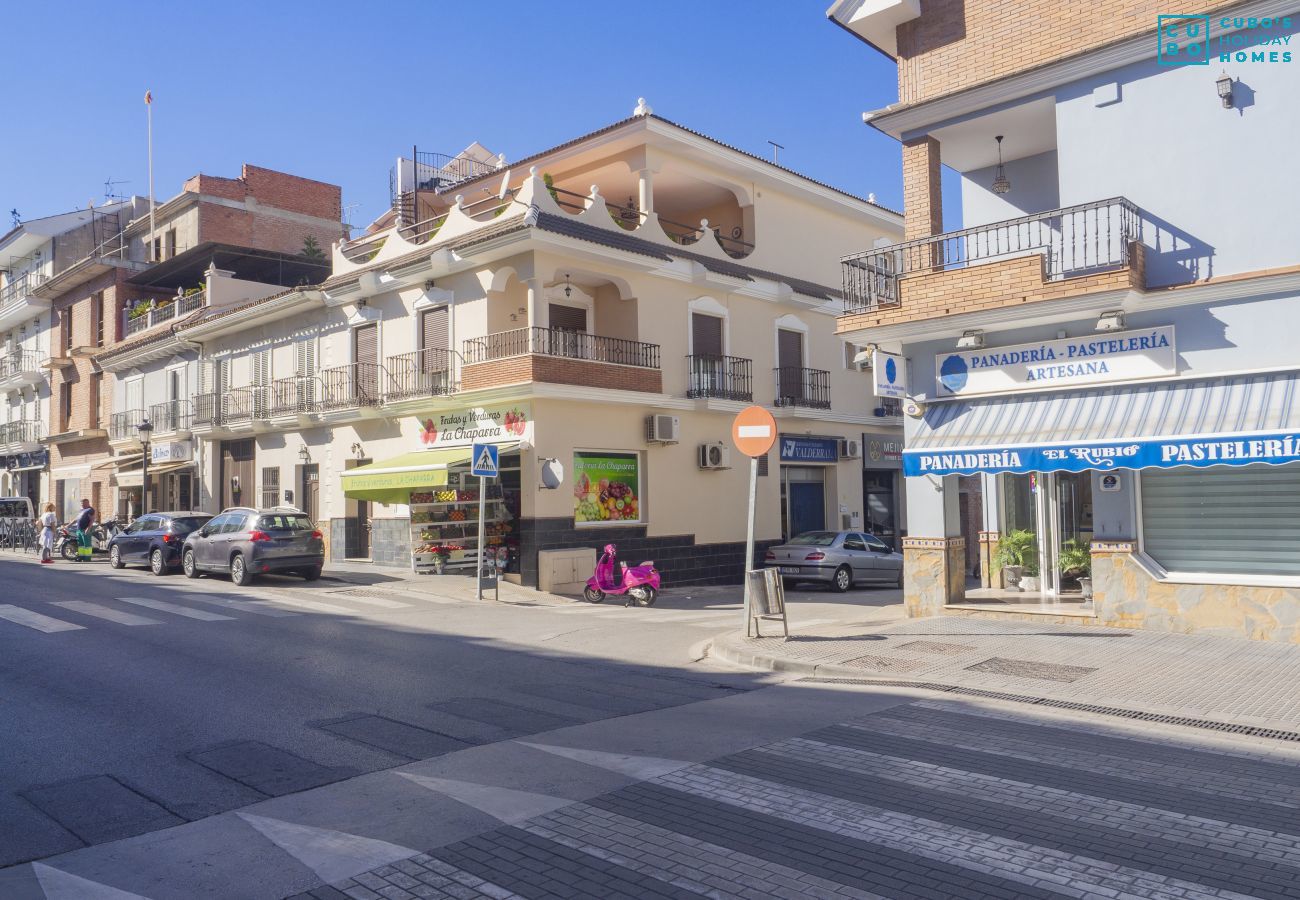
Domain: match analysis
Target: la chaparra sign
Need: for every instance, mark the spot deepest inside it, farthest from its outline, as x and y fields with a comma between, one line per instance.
x=484, y=424
x=1094, y=359
x=1275, y=448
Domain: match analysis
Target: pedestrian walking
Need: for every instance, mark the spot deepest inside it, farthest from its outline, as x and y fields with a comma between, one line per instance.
x=85, y=520
x=49, y=521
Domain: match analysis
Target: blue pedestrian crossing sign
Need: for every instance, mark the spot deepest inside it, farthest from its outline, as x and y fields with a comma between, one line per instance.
x=483, y=461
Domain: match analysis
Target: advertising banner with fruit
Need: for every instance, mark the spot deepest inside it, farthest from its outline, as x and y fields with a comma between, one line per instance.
x=606, y=487
x=485, y=424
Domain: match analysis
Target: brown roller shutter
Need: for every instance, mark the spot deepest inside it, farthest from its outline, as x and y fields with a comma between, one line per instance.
x=706, y=335
x=789, y=348
x=568, y=318
x=365, y=344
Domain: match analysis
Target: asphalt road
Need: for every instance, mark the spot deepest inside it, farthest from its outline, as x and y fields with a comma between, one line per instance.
x=132, y=703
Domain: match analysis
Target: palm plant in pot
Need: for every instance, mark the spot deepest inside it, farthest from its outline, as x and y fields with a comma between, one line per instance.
x=1075, y=561
x=1015, y=550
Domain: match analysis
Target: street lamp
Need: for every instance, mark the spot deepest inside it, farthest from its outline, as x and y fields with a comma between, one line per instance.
x=145, y=428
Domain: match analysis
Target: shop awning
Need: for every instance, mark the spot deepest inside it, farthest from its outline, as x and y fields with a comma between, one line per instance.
x=1234, y=421
x=392, y=480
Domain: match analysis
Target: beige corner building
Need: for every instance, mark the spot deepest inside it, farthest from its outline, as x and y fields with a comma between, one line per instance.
x=599, y=311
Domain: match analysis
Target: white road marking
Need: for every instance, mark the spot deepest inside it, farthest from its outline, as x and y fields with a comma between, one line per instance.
x=175, y=608
x=20, y=616
x=60, y=885
x=506, y=804
x=375, y=601
x=315, y=605
x=641, y=768
x=241, y=605
x=104, y=612
x=332, y=855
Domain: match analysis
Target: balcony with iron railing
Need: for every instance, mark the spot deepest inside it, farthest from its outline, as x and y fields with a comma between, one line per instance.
x=352, y=386
x=719, y=378
x=297, y=395
x=16, y=302
x=801, y=387
x=145, y=314
x=423, y=373
x=21, y=436
x=124, y=426
x=171, y=417
x=559, y=356
x=1068, y=252
x=20, y=368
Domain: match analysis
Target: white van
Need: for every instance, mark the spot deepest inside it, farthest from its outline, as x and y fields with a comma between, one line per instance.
x=19, y=508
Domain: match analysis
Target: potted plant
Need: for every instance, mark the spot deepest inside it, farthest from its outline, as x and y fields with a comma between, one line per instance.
x=1015, y=549
x=1029, y=578
x=1075, y=561
x=440, y=556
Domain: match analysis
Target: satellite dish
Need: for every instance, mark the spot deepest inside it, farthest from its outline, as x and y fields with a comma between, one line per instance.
x=505, y=186
x=552, y=475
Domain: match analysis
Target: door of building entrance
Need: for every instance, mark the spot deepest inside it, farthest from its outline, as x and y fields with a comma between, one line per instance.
x=1056, y=507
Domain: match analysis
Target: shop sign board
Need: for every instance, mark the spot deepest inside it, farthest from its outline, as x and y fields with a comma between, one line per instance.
x=1275, y=448
x=1069, y=362
x=809, y=449
x=175, y=451
x=884, y=449
x=478, y=424
x=889, y=375
x=606, y=487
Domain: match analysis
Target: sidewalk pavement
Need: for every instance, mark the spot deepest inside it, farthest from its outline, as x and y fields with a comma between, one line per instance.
x=1141, y=674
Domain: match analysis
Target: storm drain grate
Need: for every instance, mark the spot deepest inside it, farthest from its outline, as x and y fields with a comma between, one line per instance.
x=1028, y=668
x=362, y=592
x=1276, y=734
x=885, y=663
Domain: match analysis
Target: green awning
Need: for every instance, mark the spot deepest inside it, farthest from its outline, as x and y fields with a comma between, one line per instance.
x=392, y=480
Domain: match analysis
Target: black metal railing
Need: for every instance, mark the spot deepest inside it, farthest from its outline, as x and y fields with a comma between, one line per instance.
x=561, y=343
x=207, y=409
x=1073, y=241
x=171, y=416
x=353, y=385
x=424, y=373
x=364, y=248
x=719, y=377
x=18, y=288
x=295, y=395
x=19, y=362
x=239, y=405
x=125, y=425
x=796, y=386
x=22, y=431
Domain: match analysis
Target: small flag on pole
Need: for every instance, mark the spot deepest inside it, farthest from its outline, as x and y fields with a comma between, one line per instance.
x=148, y=97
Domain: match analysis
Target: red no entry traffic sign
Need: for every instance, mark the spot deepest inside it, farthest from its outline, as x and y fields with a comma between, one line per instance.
x=754, y=431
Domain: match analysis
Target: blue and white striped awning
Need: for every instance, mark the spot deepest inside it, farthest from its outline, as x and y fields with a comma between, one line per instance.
x=1233, y=421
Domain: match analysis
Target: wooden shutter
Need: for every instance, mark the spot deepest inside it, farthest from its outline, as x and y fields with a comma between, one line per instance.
x=706, y=335
x=304, y=357
x=433, y=329
x=568, y=318
x=789, y=348
x=365, y=344
x=262, y=367
x=135, y=394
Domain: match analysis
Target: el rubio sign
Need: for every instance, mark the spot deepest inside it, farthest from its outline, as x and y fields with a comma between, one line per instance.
x=1094, y=359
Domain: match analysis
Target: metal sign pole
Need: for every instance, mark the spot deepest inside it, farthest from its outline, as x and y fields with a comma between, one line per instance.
x=478, y=574
x=749, y=537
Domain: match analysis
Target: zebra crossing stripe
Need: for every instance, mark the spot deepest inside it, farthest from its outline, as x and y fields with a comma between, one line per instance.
x=315, y=605
x=241, y=605
x=176, y=609
x=26, y=617
x=376, y=601
x=104, y=612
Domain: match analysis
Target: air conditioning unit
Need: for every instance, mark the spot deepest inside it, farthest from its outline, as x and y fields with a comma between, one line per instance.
x=715, y=455
x=662, y=429
x=850, y=448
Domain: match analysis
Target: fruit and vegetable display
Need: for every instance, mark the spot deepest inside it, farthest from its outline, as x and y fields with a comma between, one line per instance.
x=604, y=500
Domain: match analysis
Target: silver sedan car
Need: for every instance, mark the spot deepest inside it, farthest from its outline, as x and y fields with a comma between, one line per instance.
x=839, y=558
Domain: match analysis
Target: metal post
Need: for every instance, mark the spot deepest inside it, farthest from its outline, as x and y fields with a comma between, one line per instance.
x=149, y=108
x=482, y=555
x=749, y=537
x=144, y=479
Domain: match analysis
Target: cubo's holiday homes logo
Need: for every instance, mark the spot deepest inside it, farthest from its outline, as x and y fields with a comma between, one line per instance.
x=1187, y=40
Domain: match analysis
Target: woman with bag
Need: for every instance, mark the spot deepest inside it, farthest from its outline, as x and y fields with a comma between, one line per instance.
x=49, y=522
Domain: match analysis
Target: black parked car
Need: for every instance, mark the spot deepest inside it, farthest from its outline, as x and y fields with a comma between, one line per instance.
x=248, y=542
x=155, y=539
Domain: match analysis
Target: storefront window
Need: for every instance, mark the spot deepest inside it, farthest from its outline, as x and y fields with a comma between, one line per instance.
x=606, y=488
x=1231, y=521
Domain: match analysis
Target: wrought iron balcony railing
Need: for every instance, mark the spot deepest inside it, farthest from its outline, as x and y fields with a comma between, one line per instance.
x=171, y=416
x=562, y=343
x=796, y=386
x=424, y=373
x=295, y=395
x=353, y=385
x=124, y=426
x=19, y=362
x=22, y=431
x=1073, y=241
x=719, y=377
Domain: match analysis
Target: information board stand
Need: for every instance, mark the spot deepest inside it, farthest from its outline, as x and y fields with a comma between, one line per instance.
x=766, y=601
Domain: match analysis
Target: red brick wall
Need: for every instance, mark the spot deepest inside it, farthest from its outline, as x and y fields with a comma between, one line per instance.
x=260, y=187
x=553, y=370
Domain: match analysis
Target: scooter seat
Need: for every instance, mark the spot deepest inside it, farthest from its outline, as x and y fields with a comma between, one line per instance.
x=649, y=562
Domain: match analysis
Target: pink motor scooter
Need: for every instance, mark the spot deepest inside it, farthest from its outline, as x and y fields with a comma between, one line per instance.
x=640, y=583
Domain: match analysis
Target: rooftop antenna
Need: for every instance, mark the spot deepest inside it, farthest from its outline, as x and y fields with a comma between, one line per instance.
x=776, y=151
x=109, y=194
x=17, y=219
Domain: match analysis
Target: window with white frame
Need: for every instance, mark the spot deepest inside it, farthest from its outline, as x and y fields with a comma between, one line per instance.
x=1224, y=520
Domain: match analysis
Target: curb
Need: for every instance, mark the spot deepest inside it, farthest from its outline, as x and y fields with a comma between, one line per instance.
x=724, y=650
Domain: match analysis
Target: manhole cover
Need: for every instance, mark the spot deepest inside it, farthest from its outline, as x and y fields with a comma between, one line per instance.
x=885, y=664
x=362, y=592
x=1025, y=668
x=935, y=647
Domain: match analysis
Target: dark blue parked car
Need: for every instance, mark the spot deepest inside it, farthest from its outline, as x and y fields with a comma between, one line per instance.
x=155, y=540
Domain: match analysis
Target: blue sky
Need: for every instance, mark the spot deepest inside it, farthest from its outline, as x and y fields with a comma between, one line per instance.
x=335, y=91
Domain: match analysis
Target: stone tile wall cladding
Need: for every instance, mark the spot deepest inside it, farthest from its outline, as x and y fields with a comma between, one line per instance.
x=390, y=542
x=954, y=46
x=678, y=558
x=933, y=574
x=337, y=541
